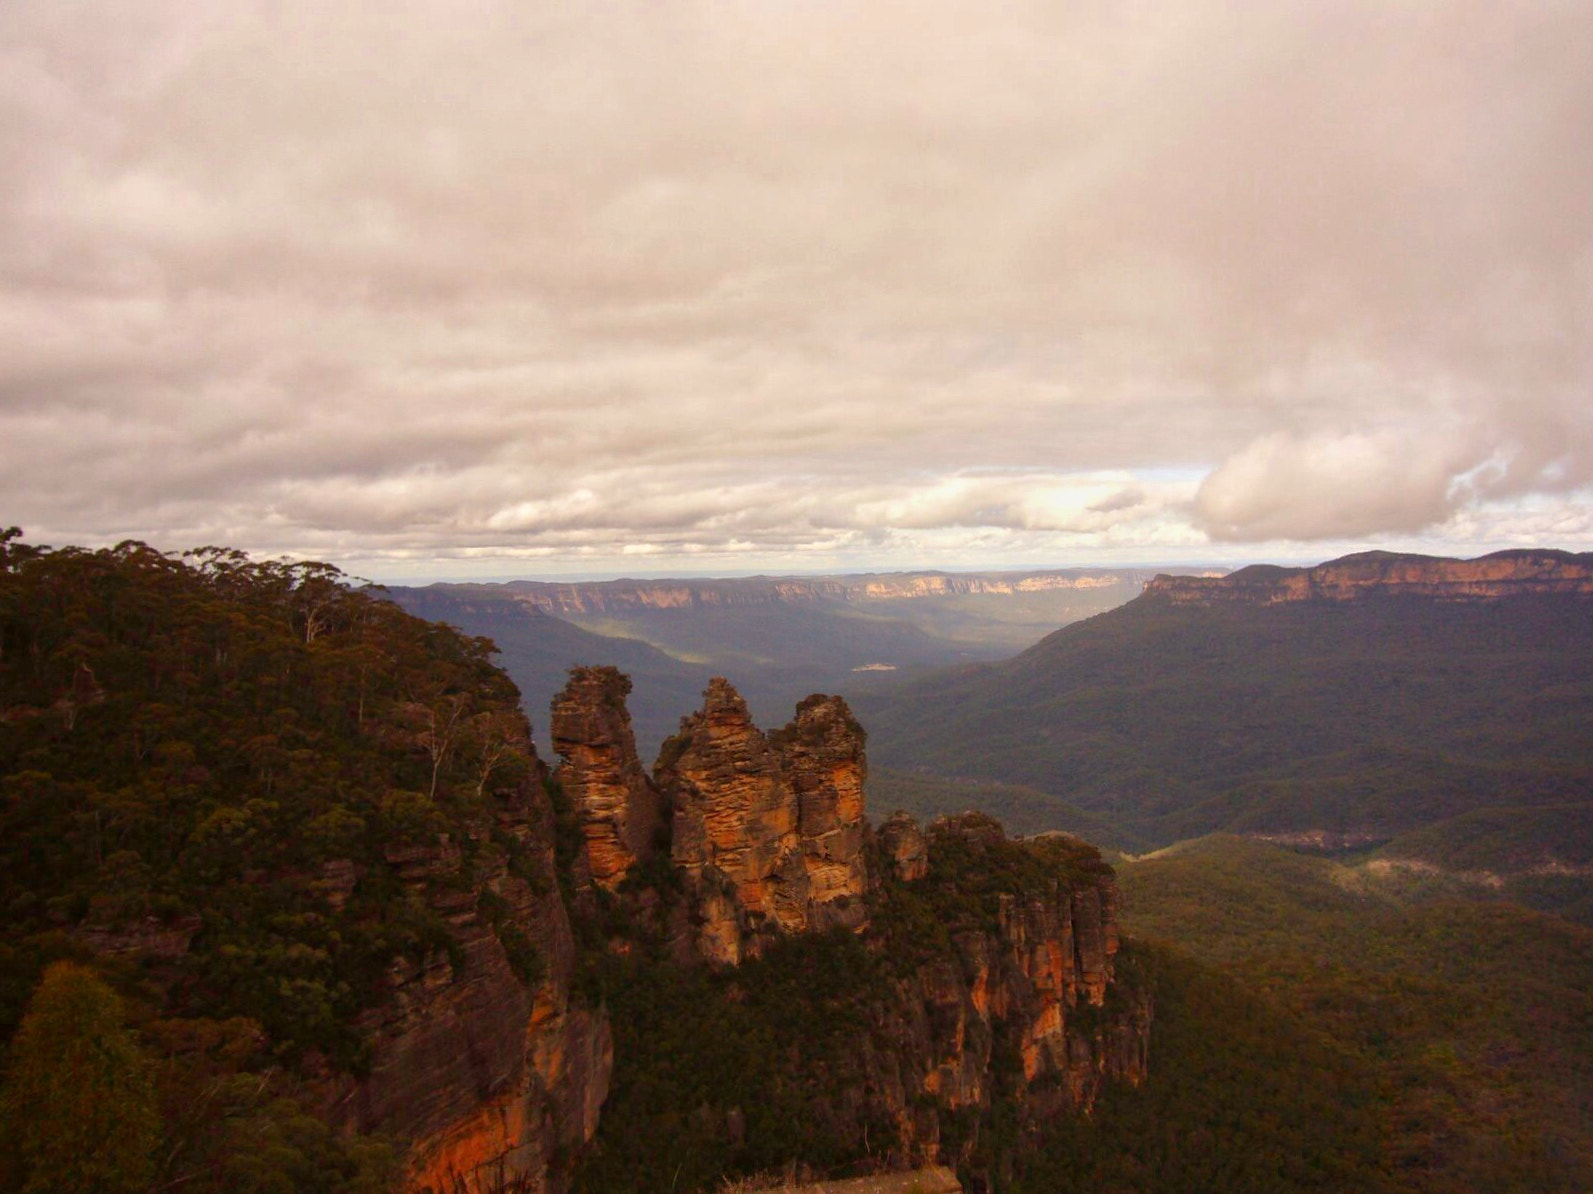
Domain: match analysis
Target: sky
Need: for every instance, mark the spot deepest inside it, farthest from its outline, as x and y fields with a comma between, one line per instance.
x=532, y=288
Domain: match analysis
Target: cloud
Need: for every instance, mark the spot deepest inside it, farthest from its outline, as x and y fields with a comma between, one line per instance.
x=556, y=281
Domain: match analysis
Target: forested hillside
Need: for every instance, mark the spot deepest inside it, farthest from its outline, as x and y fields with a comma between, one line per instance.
x=199, y=756
x=1468, y=1024
x=1331, y=722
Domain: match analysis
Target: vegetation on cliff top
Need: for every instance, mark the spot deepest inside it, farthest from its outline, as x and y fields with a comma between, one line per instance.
x=778, y=1061
x=188, y=743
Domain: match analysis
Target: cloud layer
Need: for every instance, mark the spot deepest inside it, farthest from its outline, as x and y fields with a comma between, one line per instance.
x=781, y=283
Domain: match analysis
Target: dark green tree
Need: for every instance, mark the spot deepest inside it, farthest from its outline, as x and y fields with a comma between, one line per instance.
x=78, y=1105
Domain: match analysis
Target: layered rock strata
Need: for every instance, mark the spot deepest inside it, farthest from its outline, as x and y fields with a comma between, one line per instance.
x=1388, y=574
x=1025, y=976
x=621, y=811
x=767, y=831
x=485, y=1077
x=614, y=596
x=1048, y=955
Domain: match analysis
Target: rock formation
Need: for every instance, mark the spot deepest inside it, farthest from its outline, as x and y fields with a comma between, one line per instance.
x=1389, y=574
x=484, y=1075
x=905, y=846
x=768, y=832
x=620, y=810
x=1047, y=955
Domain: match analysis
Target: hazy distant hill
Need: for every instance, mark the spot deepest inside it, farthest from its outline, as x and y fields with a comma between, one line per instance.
x=1331, y=706
x=537, y=650
x=777, y=638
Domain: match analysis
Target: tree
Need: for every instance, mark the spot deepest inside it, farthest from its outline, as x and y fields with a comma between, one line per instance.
x=78, y=1105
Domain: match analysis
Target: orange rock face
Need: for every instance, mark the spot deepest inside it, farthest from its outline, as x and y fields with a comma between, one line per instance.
x=619, y=808
x=482, y=1078
x=774, y=822
x=905, y=846
x=1488, y=578
x=823, y=752
x=1049, y=955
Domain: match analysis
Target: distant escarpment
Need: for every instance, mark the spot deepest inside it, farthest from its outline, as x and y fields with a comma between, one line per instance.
x=1388, y=574
x=617, y=595
x=1340, y=706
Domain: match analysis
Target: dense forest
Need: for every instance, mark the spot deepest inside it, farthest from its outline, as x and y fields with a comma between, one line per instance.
x=1467, y=1024
x=188, y=742
x=1354, y=721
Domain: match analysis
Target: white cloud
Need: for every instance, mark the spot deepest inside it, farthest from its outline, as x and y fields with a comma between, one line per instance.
x=794, y=282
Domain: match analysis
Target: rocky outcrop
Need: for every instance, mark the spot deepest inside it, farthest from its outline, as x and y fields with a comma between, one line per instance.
x=1004, y=990
x=620, y=810
x=904, y=844
x=1046, y=957
x=1387, y=574
x=767, y=832
x=485, y=1073
x=823, y=754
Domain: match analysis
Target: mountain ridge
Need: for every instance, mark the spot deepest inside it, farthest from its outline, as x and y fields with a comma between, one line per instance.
x=1500, y=574
x=1367, y=713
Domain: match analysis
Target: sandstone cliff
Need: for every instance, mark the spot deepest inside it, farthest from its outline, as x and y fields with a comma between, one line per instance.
x=621, y=811
x=767, y=832
x=1035, y=943
x=620, y=595
x=1387, y=574
x=484, y=1065
x=994, y=982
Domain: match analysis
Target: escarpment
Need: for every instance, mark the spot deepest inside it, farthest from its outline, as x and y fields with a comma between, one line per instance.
x=1033, y=966
x=1388, y=574
x=484, y=1062
x=369, y=929
x=984, y=970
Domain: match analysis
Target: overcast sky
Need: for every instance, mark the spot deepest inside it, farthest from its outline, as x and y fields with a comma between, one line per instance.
x=550, y=288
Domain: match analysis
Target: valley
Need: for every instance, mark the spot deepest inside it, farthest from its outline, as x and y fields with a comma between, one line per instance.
x=780, y=638
x=1271, y=882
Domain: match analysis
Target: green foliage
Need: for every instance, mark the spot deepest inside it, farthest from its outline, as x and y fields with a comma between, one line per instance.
x=204, y=752
x=78, y=1105
x=191, y=740
x=719, y=1073
x=722, y=1073
x=1022, y=810
x=1539, y=857
x=1170, y=721
x=1475, y=1020
x=1242, y=1099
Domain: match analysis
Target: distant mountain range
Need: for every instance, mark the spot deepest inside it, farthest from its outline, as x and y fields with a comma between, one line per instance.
x=778, y=638
x=1330, y=707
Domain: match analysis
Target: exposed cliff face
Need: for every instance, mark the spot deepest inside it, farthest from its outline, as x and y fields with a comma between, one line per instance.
x=1031, y=972
x=904, y=845
x=619, y=595
x=768, y=833
x=1012, y=995
x=484, y=1076
x=620, y=809
x=1379, y=573
x=823, y=754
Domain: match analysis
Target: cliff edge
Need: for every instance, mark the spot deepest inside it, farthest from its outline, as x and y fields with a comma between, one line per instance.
x=1371, y=574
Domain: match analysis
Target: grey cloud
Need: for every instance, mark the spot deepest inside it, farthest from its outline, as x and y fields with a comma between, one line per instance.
x=688, y=278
